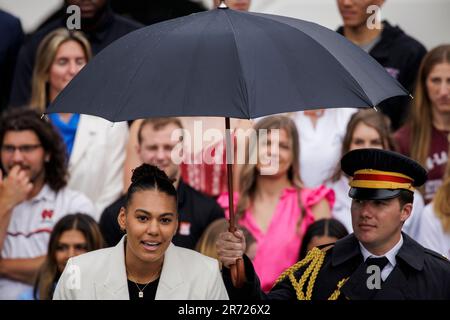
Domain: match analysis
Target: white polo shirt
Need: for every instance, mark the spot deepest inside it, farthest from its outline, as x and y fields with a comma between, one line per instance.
x=30, y=226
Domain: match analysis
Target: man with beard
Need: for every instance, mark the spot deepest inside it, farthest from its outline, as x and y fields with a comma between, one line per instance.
x=157, y=141
x=33, y=196
x=98, y=22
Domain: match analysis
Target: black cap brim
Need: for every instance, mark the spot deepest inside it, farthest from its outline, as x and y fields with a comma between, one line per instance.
x=373, y=194
x=383, y=160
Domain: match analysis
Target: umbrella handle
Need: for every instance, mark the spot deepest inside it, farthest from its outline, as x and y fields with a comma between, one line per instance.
x=237, y=270
x=238, y=273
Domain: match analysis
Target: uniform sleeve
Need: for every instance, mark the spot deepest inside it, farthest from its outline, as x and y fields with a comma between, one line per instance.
x=252, y=286
x=430, y=231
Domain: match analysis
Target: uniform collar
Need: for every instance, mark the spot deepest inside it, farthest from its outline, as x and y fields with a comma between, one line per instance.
x=410, y=252
x=390, y=255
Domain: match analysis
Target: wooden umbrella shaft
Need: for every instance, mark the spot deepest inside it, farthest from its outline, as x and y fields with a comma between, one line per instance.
x=229, y=153
x=238, y=269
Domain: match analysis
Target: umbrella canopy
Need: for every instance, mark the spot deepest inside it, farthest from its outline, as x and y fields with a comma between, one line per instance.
x=226, y=63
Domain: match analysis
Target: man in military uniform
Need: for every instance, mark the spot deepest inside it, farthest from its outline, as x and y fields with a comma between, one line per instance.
x=377, y=261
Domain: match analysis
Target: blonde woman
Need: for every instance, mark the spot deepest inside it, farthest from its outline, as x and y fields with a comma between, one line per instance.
x=95, y=147
x=275, y=208
x=434, y=231
x=425, y=137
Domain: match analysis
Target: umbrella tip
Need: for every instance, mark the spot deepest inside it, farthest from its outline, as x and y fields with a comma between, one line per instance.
x=222, y=5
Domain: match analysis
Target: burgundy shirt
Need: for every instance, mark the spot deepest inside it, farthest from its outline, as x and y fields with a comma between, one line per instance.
x=436, y=160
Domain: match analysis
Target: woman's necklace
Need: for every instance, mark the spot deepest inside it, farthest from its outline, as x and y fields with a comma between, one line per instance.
x=141, y=291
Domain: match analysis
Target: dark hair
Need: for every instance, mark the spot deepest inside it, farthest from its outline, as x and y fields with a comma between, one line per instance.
x=149, y=177
x=323, y=227
x=21, y=119
x=49, y=274
x=405, y=197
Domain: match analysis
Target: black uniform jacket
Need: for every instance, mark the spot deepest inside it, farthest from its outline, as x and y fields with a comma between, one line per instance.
x=419, y=274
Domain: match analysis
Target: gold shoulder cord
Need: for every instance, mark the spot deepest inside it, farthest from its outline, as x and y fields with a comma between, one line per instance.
x=315, y=257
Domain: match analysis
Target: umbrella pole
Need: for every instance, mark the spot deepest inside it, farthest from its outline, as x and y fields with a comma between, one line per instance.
x=238, y=269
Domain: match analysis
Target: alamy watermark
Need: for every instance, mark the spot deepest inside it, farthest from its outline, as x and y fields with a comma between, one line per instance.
x=374, y=280
x=73, y=22
x=374, y=20
x=247, y=147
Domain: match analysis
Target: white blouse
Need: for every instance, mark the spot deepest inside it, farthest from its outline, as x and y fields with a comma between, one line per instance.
x=432, y=234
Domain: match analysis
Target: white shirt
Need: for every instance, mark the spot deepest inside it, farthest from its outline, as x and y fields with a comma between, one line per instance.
x=342, y=208
x=320, y=146
x=30, y=226
x=96, y=162
x=432, y=234
x=390, y=255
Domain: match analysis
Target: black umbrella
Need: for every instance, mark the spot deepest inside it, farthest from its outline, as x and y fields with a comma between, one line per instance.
x=226, y=63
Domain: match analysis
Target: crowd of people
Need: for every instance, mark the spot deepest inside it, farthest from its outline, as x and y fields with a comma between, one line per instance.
x=110, y=200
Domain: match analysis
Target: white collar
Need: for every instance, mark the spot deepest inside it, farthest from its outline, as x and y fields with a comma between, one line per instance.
x=390, y=255
x=46, y=193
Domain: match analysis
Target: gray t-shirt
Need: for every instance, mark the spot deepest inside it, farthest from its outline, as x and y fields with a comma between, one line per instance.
x=369, y=46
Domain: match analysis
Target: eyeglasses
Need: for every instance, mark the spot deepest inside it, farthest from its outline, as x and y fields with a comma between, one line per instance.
x=26, y=148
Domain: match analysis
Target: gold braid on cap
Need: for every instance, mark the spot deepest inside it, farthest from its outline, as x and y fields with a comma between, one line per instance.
x=315, y=258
